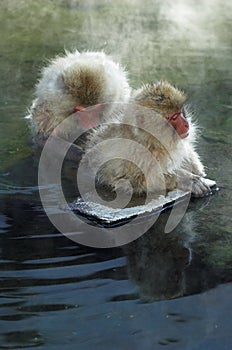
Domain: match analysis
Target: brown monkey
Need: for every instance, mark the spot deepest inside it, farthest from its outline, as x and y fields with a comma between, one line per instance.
x=155, y=152
x=79, y=84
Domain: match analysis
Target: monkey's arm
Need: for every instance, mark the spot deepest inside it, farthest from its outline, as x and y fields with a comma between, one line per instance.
x=193, y=164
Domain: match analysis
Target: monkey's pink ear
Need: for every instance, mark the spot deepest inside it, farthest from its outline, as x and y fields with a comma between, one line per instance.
x=139, y=120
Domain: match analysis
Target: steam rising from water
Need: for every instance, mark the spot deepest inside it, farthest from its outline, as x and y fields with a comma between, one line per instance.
x=176, y=40
x=173, y=40
x=197, y=21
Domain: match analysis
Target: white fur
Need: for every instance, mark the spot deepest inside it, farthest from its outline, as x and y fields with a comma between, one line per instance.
x=117, y=88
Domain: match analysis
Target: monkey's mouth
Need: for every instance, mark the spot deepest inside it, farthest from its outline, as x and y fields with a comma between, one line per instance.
x=184, y=135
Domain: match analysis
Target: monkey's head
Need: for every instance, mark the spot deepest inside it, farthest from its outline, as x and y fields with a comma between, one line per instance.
x=168, y=101
x=86, y=85
x=85, y=89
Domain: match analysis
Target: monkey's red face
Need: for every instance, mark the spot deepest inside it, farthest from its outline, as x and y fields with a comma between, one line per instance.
x=180, y=123
x=88, y=117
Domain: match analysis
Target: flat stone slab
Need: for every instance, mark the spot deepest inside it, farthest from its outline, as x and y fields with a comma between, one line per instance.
x=109, y=217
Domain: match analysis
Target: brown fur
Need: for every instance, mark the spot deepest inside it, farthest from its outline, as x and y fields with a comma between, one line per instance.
x=162, y=97
x=85, y=85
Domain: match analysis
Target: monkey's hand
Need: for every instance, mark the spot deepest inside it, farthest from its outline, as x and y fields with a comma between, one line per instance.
x=198, y=185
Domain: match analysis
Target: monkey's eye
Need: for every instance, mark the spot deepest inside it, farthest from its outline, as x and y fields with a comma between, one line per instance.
x=175, y=116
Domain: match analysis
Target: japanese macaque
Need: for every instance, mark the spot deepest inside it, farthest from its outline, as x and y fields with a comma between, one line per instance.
x=149, y=147
x=77, y=84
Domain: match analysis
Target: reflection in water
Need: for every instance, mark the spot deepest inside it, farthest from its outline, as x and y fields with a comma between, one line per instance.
x=46, y=278
x=157, y=261
x=166, y=266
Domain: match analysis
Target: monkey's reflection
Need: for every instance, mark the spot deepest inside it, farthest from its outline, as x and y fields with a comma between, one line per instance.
x=157, y=260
